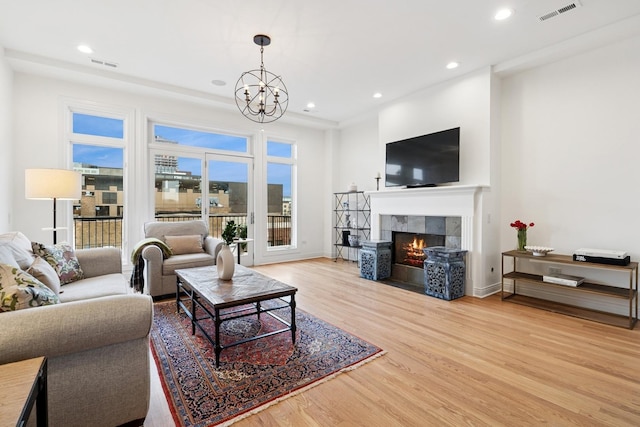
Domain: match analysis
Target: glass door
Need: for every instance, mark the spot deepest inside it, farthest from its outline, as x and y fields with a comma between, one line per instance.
x=180, y=179
x=178, y=187
x=229, y=202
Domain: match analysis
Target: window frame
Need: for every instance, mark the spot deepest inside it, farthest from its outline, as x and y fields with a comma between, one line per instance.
x=126, y=143
x=293, y=162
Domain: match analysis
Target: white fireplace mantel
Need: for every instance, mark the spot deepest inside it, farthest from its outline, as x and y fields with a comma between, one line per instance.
x=460, y=200
x=457, y=200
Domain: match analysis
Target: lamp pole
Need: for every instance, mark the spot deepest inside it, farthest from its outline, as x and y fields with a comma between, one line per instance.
x=55, y=235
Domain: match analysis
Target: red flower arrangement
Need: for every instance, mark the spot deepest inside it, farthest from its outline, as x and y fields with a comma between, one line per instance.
x=521, y=225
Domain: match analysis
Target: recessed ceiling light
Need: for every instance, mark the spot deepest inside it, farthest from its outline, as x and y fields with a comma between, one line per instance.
x=452, y=65
x=218, y=82
x=84, y=48
x=377, y=95
x=311, y=105
x=503, y=14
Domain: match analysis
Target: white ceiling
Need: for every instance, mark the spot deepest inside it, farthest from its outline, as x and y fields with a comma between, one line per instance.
x=335, y=53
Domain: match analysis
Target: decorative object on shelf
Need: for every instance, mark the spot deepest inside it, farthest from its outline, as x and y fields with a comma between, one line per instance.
x=353, y=187
x=347, y=220
x=52, y=184
x=225, y=263
x=345, y=237
x=378, y=181
x=538, y=250
x=261, y=96
x=522, y=233
x=354, y=240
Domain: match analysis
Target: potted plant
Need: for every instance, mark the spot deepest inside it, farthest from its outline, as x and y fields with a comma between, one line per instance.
x=229, y=232
x=241, y=231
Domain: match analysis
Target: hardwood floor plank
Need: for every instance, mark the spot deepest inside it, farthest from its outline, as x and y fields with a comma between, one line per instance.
x=464, y=362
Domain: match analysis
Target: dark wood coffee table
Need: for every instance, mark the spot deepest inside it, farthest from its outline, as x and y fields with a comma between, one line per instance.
x=197, y=285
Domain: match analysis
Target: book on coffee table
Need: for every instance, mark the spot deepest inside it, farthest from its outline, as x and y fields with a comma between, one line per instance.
x=563, y=279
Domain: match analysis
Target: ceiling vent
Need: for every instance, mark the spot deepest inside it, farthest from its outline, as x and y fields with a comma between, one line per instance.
x=559, y=11
x=105, y=63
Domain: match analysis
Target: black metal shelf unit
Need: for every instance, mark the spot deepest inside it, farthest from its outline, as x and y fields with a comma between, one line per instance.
x=352, y=211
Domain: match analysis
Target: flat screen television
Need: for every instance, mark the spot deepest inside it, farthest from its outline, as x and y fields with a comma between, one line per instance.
x=424, y=161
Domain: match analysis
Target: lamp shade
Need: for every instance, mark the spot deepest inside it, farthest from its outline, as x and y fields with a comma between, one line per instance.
x=49, y=184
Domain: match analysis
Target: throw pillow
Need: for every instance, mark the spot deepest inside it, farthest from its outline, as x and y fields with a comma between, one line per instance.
x=14, y=251
x=184, y=244
x=20, y=290
x=18, y=239
x=62, y=258
x=42, y=270
x=6, y=256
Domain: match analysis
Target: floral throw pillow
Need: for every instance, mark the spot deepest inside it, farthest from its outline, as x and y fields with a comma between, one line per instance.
x=62, y=258
x=20, y=290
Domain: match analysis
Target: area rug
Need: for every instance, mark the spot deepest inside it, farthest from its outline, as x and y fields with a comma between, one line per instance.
x=252, y=375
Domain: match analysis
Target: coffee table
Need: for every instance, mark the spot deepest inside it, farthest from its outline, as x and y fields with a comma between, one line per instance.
x=196, y=286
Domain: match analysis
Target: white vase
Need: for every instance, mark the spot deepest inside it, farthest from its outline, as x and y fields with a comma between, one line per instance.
x=225, y=263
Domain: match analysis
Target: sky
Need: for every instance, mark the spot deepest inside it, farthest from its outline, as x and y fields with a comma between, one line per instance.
x=218, y=170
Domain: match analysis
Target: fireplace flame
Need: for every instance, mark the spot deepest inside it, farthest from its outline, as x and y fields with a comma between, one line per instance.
x=417, y=244
x=414, y=255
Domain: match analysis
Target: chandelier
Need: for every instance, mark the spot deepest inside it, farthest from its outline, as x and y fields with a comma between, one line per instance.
x=261, y=95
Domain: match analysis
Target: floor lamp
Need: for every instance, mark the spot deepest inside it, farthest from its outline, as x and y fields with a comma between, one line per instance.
x=52, y=184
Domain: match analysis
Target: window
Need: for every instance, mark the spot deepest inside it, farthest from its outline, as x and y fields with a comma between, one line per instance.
x=109, y=198
x=202, y=174
x=280, y=182
x=200, y=139
x=98, y=154
x=99, y=126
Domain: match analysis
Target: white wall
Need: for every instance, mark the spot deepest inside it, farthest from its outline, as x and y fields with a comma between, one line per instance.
x=571, y=151
x=6, y=144
x=38, y=143
x=463, y=102
x=359, y=157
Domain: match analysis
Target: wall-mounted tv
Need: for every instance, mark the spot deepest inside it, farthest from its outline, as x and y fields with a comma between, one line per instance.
x=422, y=161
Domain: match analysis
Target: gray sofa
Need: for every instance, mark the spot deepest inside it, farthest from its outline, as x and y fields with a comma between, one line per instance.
x=97, y=344
x=159, y=273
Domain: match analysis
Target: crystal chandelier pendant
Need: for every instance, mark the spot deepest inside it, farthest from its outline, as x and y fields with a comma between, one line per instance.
x=261, y=96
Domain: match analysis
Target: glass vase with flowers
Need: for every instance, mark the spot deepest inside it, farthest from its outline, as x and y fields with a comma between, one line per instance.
x=522, y=228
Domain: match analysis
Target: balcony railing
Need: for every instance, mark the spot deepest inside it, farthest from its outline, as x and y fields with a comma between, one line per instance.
x=96, y=232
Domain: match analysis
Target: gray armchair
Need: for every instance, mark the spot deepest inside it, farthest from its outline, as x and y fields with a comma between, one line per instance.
x=191, y=245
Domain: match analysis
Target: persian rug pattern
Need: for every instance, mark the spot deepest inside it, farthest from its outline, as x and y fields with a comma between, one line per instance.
x=252, y=375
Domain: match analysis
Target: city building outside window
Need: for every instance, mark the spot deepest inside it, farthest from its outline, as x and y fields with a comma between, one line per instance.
x=98, y=155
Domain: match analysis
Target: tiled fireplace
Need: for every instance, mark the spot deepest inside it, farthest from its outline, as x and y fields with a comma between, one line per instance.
x=410, y=234
x=446, y=214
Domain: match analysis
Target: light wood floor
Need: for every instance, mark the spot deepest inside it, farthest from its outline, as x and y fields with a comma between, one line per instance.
x=470, y=361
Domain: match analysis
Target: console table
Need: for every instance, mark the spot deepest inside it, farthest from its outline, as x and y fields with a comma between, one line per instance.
x=629, y=293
